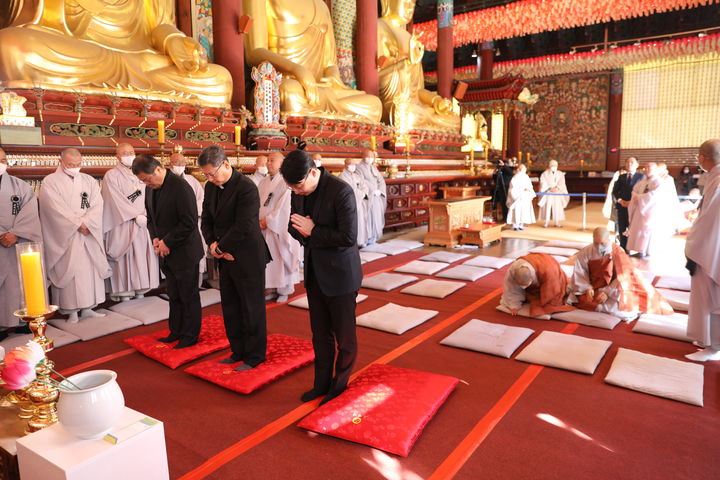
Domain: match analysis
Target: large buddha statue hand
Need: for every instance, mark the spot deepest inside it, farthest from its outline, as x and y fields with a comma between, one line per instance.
x=442, y=106
x=187, y=54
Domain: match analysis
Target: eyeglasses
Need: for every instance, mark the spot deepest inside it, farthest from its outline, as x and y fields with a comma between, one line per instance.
x=298, y=186
x=214, y=174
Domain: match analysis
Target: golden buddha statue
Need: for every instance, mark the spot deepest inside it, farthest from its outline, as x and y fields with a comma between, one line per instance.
x=401, y=73
x=297, y=37
x=129, y=47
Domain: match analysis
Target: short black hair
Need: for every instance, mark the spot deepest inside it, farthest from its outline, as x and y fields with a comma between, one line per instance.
x=145, y=163
x=212, y=155
x=296, y=166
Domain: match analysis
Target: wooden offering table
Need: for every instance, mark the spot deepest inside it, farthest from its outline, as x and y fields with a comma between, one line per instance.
x=482, y=234
x=460, y=192
x=448, y=215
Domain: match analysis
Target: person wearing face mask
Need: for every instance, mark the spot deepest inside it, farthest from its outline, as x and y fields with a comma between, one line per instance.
x=261, y=170
x=177, y=166
x=355, y=179
x=605, y=280
x=553, y=206
x=19, y=222
x=283, y=272
x=128, y=246
x=519, y=199
x=71, y=214
x=685, y=181
x=377, y=196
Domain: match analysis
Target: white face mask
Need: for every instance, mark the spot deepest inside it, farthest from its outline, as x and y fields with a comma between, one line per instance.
x=604, y=249
x=127, y=160
x=318, y=164
x=72, y=171
x=3, y=168
x=553, y=169
x=351, y=168
x=262, y=170
x=369, y=160
x=177, y=169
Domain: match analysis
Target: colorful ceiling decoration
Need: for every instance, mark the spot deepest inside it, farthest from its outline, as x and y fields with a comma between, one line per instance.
x=526, y=17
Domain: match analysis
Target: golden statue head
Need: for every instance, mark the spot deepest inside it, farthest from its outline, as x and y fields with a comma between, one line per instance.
x=402, y=10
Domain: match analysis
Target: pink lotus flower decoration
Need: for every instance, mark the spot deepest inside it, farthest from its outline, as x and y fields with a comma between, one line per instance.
x=20, y=363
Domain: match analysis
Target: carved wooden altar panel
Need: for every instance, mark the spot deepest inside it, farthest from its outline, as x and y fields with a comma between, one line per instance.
x=447, y=216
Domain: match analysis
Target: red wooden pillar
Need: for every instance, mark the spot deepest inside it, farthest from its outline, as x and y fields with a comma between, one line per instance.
x=366, y=42
x=183, y=16
x=487, y=60
x=445, y=49
x=228, y=45
x=614, y=121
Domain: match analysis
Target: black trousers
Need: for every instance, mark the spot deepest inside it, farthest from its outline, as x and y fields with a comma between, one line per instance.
x=243, y=307
x=623, y=222
x=185, y=310
x=332, y=320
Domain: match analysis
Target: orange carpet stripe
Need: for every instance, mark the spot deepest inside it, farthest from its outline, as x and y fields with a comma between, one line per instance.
x=254, y=439
x=464, y=450
x=97, y=361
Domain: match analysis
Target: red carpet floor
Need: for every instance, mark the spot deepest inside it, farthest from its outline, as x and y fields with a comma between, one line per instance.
x=558, y=425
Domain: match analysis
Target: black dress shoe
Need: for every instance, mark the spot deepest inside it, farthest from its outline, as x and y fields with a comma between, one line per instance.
x=230, y=359
x=4, y=334
x=185, y=343
x=311, y=395
x=169, y=339
x=331, y=395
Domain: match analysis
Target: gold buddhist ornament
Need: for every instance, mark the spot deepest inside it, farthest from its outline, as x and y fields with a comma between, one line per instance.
x=296, y=37
x=402, y=73
x=129, y=47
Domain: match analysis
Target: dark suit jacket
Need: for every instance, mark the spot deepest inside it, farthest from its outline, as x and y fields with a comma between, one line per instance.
x=623, y=188
x=173, y=219
x=235, y=224
x=331, y=249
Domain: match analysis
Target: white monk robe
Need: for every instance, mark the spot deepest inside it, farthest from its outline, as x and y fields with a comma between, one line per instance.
x=257, y=178
x=519, y=200
x=76, y=263
x=552, y=206
x=377, y=200
x=199, y=196
x=283, y=272
x=608, y=209
x=128, y=246
x=357, y=182
x=513, y=295
x=19, y=216
x=654, y=214
x=703, y=248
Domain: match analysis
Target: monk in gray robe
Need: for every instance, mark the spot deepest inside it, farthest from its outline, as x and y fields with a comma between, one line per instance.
x=377, y=196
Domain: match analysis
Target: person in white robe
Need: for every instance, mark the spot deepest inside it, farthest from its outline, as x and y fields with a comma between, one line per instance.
x=128, y=246
x=702, y=250
x=377, y=196
x=552, y=207
x=283, y=272
x=519, y=199
x=19, y=223
x=177, y=166
x=355, y=179
x=608, y=209
x=518, y=278
x=71, y=214
x=261, y=169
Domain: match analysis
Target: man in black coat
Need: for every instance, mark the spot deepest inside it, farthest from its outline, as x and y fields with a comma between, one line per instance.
x=172, y=222
x=502, y=176
x=622, y=193
x=323, y=218
x=231, y=227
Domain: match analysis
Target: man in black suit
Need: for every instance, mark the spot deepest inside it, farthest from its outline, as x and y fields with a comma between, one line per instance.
x=323, y=218
x=502, y=176
x=231, y=227
x=622, y=193
x=172, y=221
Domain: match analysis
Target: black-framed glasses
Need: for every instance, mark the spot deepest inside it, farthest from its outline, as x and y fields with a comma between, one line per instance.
x=214, y=174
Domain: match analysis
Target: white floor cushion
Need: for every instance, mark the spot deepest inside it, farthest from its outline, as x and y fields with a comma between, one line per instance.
x=366, y=257
x=148, y=310
x=660, y=376
x=488, y=262
x=591, y=319
x=59, y=337
x=209, y=296
x=523, y=312
x=385, y=248
x=433, y=288
x=649, y=276
x=564, y=244
x=674, y=282
x=94, y=327
x=421, y=268
x=395, y=318
x=568, y=269
x=446, y=257
x=565, y=252
x=670, y=326
x=409, y=244
x=678, y=299
x=387, y=281
x=465, y=272
x=485, y=337
x=560, y=259
x=302, y=302
x=570, y=352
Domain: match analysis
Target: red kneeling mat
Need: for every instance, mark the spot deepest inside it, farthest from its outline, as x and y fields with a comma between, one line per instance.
x=212, y=338
x=284, y=354
x=385, y=407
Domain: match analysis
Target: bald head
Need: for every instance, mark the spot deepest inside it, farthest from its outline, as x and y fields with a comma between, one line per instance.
x=709, y=154
x=70, y=158
x=601, y=235
x=177, y=160
x=274, y=162
x=522, y=276
x=651, y=169
x=261, y=161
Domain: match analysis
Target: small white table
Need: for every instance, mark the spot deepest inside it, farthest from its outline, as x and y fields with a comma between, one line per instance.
x=53, y=453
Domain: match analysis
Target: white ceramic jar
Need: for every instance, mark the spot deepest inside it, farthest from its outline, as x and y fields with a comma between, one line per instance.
x=91, y=411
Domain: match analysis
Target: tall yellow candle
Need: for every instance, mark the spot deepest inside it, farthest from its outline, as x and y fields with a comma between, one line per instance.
x=373, y=144
x=161, y=131
x=33, y=283
x=472, y=153
x=237, y=134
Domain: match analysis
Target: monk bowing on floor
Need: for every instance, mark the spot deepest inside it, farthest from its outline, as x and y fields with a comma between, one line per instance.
x=536, y=279
x=605, y=280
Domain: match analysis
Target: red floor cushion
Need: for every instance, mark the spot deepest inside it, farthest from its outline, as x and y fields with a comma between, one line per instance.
x=212, y=338
x=385, y=407
x=284, y=355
